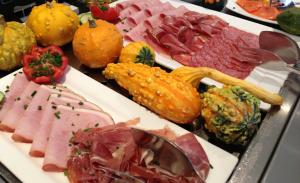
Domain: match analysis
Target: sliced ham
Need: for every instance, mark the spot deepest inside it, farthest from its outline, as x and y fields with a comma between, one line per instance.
x=127, y=12
x=65, y=122
x=40, y=139
x=13, y=91
x=21, y=102
x=138, y=33
x=29, y=122
x=121, y=6
x=157, y=9
x=156, y=20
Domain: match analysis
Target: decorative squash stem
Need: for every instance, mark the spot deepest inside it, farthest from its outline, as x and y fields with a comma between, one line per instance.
x=2, y=27
x=92, y=23
x=195, y=75
x=49, y=4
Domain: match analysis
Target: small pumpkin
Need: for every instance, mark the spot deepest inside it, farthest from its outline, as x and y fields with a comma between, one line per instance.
x=97, y=43
x=53, y=23
x=16, y=39
x=138, y=52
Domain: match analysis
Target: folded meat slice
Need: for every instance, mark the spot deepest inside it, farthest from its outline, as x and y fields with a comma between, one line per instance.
x=138, y=33
x=157, y=9
x=19, y=106
x=66, y=122
x=196, y=154
x=13, y=91
x=29, y=122
x=39, y=143
x=121, y=6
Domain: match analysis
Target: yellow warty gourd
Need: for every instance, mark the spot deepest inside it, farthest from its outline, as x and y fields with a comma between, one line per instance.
x=53, y=23
x=15, y=40
x=156, y=89
x=194, y=75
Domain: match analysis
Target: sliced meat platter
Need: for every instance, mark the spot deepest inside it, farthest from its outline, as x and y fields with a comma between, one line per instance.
x=191, y=38
x=72, y=134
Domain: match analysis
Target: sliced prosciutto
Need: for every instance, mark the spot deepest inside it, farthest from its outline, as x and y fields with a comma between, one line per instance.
x=29, y=122
x=13, y=91
x=66, y=122
x=19, y=106
x=196, y=154
x=114, y=147
x=39, y=144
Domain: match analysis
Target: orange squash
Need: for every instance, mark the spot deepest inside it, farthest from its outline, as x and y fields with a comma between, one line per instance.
x=97, y=43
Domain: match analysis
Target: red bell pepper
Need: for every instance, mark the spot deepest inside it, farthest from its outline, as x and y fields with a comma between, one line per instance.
x=45, y=65
x=100, y=9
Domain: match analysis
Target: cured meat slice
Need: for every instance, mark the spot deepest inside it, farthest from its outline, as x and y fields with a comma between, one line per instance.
x=29, y=122
x=158, y=9
x=13, y=91
x=127, y=12
x=156, y=20
x=121, y=6
x=137, y=18
x=40, y=139
x=114, y=147
x=138, y=32
x=66, y=121
x=196, y=154
x=10, y=119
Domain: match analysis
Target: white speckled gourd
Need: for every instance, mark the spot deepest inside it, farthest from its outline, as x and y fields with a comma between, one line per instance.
x=158, y=90
x=53, y=23
x=16, y=39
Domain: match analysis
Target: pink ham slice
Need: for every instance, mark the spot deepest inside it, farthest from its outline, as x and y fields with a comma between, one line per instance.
x=16, y=88
x=127, y=12
x=67, y=121
x=29, y=122
x=138, y=32
x=157, y=9
x=125, y=4
x=40, y=139
x=196, y=154
x=10, y=119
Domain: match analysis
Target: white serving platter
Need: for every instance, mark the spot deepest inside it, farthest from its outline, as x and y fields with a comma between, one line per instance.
x=28, y=169
x=264, y=76
x=233, y=6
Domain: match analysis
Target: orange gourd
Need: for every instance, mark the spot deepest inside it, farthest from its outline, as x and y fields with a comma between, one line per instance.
x=97, y=43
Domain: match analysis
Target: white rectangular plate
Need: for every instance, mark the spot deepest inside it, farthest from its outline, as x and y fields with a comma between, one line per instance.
x=28, y=169
x=264, y=76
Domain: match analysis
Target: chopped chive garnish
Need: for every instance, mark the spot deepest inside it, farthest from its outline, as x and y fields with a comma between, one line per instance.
x=57, y=114
x=33, y=93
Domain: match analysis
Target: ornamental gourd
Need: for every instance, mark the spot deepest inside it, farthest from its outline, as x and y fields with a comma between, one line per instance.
x=97, y=43
x=53, y=23
x=158, y=90
x=231, y=114
x=16, y=39
x=138, y=52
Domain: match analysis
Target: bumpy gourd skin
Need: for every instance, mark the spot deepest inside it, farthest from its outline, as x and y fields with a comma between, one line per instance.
x=53, y=23
x=17, y=39
x=158, y=90
x=231, y=114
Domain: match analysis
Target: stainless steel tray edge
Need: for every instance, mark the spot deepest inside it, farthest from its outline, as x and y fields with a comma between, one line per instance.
x=256, y=158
